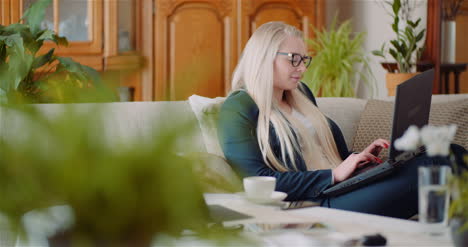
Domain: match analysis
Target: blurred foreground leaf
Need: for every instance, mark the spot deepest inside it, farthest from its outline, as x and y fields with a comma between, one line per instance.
x=121, y=190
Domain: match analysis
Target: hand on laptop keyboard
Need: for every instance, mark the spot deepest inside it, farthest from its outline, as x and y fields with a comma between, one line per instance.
x=351, y=163
x=377, y=146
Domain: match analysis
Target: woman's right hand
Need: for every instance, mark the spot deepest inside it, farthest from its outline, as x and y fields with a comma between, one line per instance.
x=355, y=160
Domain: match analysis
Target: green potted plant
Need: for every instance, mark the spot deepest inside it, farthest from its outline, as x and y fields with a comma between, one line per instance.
x=458, y=212
x=405, y=49
x=336, y=53
x=32, y=76
x=119, y=191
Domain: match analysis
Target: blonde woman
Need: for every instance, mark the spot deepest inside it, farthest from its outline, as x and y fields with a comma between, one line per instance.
x=270, y=126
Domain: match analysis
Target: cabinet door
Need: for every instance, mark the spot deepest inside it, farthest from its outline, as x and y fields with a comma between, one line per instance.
x=4, y=13
x=194, y=48
x=123, y=55
x=304, y=14
x=80, y=21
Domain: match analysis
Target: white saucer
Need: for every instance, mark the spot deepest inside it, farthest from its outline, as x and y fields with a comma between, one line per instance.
x=276, y=197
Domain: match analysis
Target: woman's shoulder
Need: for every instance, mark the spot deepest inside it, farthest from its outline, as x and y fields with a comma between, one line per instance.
x=240, y=101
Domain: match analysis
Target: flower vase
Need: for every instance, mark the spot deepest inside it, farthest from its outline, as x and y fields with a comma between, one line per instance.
x=460, y=238
x=448, y=46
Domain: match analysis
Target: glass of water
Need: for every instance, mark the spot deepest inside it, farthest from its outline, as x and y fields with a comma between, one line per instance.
x=434, y=197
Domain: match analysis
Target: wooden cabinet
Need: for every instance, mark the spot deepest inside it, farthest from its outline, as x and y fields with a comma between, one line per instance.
x=93, y=30
x=80, y=21
x=198, y=42
x=180, y=47
x=303, y=14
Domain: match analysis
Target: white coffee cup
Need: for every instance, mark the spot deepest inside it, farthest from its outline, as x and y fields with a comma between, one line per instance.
x=259, y=187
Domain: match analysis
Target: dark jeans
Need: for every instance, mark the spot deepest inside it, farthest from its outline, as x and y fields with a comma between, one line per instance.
x=395, y=195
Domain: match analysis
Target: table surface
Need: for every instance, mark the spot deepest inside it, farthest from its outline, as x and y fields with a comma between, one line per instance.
x=342, y=225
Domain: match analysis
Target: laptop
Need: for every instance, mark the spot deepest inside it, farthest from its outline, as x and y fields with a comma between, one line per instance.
x=412, y=107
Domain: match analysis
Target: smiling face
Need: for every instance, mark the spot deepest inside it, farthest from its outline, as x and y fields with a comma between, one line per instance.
x=285, y=75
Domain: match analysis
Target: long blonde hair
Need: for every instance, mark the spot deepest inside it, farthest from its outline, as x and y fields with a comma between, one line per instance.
x=254, y=74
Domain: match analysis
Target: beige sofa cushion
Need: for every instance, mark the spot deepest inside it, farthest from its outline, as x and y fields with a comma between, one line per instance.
x=346, y=112
x=376, y=121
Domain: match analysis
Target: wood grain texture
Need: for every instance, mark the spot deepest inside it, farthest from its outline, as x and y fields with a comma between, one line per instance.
x=15, y=11
x=145, y=45
x=183, y=46
x=4, y=15
x=432, y=45
x=111, y=25
x=194, y=51
x=462, y=49
x=304, y=14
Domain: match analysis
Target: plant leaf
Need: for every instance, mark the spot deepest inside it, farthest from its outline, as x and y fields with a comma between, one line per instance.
x=14, y=41
x=35, y=15
x=41, y=60
x=393, y=53
x=338, y=51
x=3, y=96
x=396, y=7
x=46, y=35
x=84, y=73
x=395, y=24
x=417, y=22
x=2, y=52
x=420, y=36
x=59, y=40
x=378, y=53
x=15, y=28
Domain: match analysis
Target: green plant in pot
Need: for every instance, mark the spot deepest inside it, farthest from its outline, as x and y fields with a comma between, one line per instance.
x=27, y=74
x=337, y=52
x=458, y=212
x=405, y=49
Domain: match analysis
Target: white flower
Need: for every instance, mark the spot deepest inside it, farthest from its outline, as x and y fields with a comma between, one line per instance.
x=437, y=139
x=409, y=141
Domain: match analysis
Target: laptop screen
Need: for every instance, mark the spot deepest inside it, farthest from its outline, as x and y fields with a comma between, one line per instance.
x=412, y=106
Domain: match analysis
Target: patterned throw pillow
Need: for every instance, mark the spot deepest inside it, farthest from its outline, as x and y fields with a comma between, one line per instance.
x=376, y=122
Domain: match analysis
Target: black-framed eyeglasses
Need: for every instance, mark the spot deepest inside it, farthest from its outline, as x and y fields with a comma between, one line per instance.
x=296, y=58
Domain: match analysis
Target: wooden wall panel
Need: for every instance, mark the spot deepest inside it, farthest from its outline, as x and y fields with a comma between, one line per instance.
x=304, y=14
x=432, y=45
x=2, y=12
x=462, y=49
x=195, y=52
x=462, y=45
x=278, y=12
x=194, y=48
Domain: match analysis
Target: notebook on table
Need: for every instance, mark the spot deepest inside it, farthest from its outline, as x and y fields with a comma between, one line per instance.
x=412, y=107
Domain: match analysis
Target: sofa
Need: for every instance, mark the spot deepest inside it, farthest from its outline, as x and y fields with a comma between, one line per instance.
x=361, y=122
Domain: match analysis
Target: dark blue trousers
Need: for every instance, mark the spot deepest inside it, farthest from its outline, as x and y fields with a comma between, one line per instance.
x=395, y=195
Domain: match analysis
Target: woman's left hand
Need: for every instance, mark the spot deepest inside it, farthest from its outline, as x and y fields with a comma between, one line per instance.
x=376, y=147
